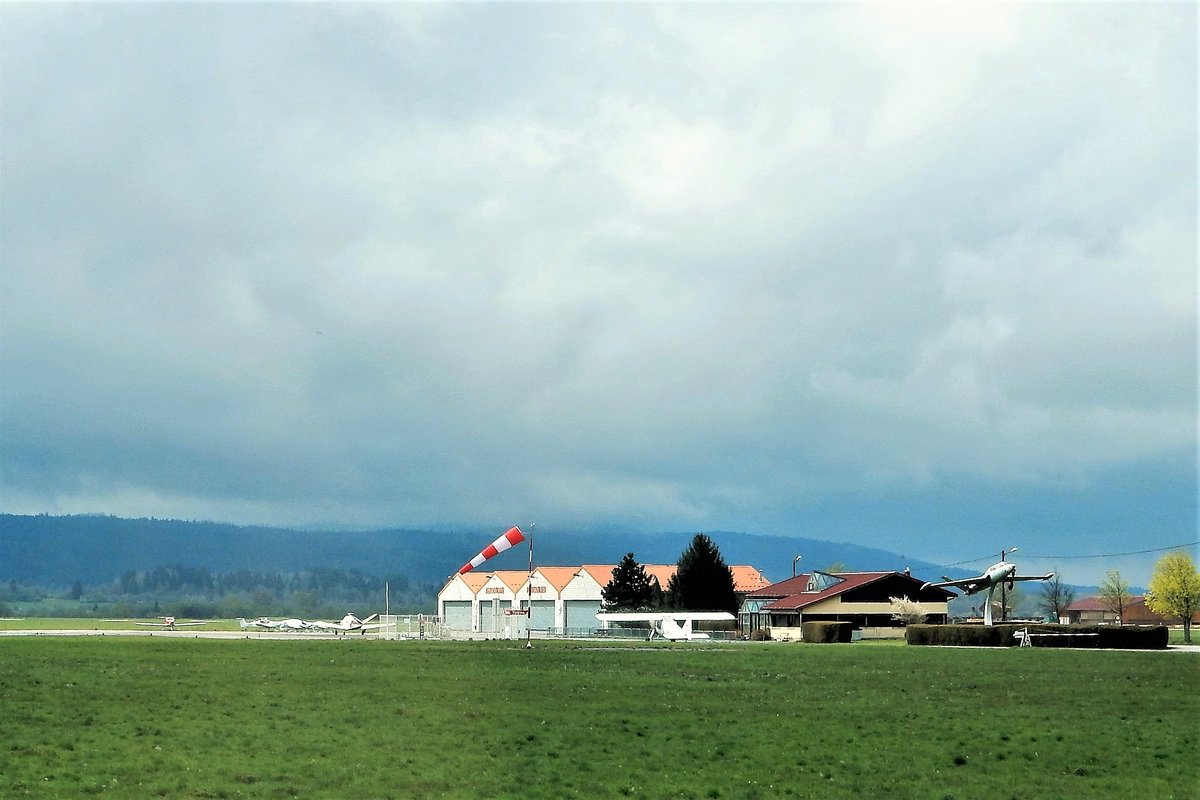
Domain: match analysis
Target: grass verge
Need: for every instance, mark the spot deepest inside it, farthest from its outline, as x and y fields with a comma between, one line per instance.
x=147, y=717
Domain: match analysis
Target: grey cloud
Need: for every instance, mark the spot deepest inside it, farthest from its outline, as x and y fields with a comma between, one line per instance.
x=672, y=264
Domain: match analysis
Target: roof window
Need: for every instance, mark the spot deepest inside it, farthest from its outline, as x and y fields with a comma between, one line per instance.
x=820, y=581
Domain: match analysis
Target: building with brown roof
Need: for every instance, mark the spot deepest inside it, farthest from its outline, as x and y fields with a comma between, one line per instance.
x=1094, y=611
x=862, y=598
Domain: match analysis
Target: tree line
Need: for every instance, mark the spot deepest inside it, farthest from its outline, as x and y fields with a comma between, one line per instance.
x=702, y=582
x=188, y=591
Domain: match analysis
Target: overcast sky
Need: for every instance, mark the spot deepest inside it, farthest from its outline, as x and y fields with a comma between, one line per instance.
x=920, y=277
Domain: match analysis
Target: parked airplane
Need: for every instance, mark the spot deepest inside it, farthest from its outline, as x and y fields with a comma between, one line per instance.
x=670, y=625
x=265, y=623
x=349, y=624
x=997, y=575
x=170, y=623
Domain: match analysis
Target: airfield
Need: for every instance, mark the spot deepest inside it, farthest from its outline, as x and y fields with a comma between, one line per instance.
x=311, y=635
x=215, y=713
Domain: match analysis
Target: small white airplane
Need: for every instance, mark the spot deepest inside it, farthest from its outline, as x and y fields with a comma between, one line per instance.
x=673, y=626
x=266, y=623
x=349, y=624
x=997, y=575
x=170, y=623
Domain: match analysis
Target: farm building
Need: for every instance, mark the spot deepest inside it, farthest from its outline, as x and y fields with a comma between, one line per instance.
x=863, y=598
x=565, y=599
x=1095, y=611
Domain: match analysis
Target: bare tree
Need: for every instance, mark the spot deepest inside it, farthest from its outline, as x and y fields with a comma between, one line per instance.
x=1057, y=597
x=1114, y=594
x=1010, y=600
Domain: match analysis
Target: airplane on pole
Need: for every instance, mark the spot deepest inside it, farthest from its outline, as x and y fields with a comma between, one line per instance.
x=674, y=626
x=1001, y=574
x=170, y=623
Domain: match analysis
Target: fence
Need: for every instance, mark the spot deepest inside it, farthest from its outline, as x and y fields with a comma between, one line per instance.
x=411, y=626
x=427, y=626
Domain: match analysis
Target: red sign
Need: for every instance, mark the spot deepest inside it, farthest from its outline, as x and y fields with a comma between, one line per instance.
x=515, y=612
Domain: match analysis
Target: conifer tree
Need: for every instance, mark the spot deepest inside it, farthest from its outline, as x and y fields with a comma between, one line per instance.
x=630, y=588
x=702, y=581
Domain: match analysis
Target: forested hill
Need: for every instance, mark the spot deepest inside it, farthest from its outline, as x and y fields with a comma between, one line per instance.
x=56, y=551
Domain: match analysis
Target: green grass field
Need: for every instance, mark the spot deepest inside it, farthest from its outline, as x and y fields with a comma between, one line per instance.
x=180, y=717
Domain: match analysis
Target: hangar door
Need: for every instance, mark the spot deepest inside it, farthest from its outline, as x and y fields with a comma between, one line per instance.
x=492, y=620
x=581, y=614
x=458, y=615
x=543, y=614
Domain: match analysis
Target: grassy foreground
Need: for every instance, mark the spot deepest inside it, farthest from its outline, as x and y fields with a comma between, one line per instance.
x=148, y=717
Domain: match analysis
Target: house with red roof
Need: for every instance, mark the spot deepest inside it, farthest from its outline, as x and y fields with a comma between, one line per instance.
x=862, y=598
x=1095, y=611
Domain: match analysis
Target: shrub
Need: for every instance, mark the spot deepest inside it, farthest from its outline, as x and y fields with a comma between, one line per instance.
x=1108, y=636
x=825, y=632
x=1134, y=637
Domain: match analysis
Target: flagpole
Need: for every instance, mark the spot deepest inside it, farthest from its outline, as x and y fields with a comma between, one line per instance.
x=529, y=618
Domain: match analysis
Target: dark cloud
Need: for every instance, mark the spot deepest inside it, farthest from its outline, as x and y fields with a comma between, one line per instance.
x=678, y=266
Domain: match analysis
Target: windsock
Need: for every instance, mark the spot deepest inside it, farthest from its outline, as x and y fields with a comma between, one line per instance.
x=512, y=536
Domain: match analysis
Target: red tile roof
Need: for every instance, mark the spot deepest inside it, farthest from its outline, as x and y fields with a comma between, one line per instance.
x=558, y=577
x=475, y=580
x=790, y=594
x=1097, y=604
x=513, y=579
x=799, y=598
x=745, y=578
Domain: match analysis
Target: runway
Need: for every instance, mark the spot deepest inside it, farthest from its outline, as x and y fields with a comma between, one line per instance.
x=188, y=634
x=276, y=636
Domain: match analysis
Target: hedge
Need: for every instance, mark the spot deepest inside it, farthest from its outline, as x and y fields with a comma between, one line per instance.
x=825, y=632
x=1125, y=637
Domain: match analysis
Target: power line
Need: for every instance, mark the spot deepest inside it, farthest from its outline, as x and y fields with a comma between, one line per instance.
x=1115, y=555
x=1102, y=555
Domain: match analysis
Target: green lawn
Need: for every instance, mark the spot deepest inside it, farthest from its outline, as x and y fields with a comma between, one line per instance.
x=149, y=717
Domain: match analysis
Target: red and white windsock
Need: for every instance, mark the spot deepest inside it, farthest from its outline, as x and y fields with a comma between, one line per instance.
x=512, y=536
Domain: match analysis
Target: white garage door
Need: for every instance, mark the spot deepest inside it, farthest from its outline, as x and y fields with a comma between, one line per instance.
x=581, y=615
x=458, y=615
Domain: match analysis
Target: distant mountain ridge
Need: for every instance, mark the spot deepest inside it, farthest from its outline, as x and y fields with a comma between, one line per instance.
x=57, y=550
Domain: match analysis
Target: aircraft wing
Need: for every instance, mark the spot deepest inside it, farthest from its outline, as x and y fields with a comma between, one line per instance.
x=324, y=626
x=657, y=616
x=1045, y=577
x=967, y=584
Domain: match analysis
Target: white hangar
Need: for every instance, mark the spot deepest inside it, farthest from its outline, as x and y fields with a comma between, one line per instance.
x=565, y=599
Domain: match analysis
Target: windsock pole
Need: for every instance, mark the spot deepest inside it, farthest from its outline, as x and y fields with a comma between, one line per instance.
x=529, y=584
